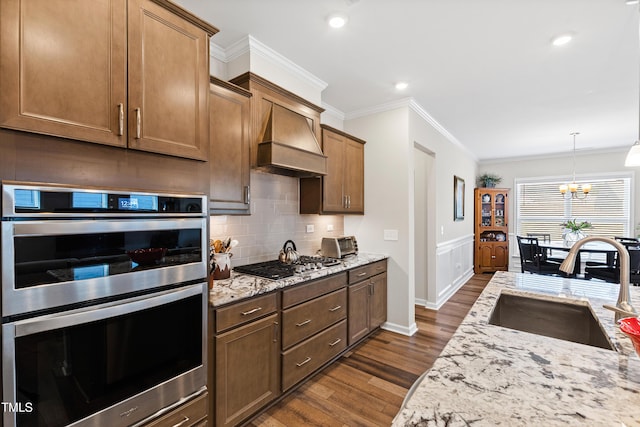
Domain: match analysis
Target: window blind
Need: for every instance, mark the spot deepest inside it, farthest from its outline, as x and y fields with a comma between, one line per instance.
x=540, y=208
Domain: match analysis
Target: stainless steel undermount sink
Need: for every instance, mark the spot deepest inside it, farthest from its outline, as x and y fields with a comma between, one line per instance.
x=565, y=321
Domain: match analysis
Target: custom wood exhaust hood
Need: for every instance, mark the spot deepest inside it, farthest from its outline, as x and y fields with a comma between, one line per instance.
x=289, y=146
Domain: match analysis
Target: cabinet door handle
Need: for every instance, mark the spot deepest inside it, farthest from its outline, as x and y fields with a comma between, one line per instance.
x=138, y=122
x=185, y=420
x=246, y=313
x=371, y=288
x=336, y=308
x=348, y=202
x=304, y=362
x=247, y=195
x=303, y=323
x=120, y=119
x=275, y=331
x=331, y=344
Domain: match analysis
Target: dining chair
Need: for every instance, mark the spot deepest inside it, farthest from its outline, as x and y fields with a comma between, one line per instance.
x=532, y=258
x=612, y=274
x=548, y=253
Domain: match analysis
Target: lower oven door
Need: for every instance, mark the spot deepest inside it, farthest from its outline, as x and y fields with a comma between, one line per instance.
x=108, y=365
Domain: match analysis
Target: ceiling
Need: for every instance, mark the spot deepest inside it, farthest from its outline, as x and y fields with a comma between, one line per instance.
x=484, y=69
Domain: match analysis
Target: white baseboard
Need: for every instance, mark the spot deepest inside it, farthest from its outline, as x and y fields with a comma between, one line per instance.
x=399, y=329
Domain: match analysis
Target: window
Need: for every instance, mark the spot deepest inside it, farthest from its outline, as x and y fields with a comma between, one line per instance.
x=540, y=208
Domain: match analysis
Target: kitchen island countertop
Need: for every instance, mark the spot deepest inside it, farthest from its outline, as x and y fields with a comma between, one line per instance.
x=488, y=375
x=241, y=286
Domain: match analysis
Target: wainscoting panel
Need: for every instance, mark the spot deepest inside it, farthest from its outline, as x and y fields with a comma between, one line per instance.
x=454, y=266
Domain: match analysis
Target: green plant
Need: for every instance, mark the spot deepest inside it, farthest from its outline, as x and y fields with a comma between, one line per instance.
x=489, y=180
x=574, y=225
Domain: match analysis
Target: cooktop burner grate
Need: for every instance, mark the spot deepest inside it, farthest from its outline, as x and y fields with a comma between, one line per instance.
x=275, y=269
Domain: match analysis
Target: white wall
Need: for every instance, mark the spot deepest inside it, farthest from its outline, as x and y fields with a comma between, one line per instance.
x=388, y=184
x=391, y=138
x=450, y=246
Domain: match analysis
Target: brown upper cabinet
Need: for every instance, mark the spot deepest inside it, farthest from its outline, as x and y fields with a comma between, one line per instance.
x=229, y=138
x=341, y=191
x=122, y=73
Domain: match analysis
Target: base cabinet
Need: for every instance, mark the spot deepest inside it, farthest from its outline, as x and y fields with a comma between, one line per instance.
x=265, y=346
x=367, y=297
x=247, y=374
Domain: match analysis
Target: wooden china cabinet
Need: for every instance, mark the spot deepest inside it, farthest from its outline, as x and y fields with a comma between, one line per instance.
x=491, y=230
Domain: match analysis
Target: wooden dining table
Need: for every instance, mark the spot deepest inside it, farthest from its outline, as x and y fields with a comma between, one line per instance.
x=591, y=247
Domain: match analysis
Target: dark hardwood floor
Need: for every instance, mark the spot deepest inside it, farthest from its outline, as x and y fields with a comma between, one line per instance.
x=366, y=386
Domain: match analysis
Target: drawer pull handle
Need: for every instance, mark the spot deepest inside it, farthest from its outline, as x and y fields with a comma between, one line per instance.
x=364, y=273
x=304, y=362
x=303, y=323
x=185, y=420
x=335, y=342
x=246, y=313
x=336, y=308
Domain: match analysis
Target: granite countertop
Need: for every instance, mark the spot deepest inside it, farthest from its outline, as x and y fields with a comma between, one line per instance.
x=488, y=375
x=240, y=286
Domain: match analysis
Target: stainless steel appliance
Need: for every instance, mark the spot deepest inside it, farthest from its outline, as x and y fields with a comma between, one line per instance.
x=339, y=247
x=279, y=270
x=104, y=303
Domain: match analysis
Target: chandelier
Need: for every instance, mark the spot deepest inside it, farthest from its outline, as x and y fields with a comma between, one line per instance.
x=573, y=190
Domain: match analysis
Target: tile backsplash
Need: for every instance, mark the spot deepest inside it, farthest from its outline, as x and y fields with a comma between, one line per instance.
x=274, y=219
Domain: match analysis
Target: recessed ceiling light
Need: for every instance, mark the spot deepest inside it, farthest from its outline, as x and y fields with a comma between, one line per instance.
x=337, y=20
x=561, y=39
x=630, y=2
x=402, y=85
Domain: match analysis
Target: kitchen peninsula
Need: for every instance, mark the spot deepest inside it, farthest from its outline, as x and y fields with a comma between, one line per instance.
x=490, y=375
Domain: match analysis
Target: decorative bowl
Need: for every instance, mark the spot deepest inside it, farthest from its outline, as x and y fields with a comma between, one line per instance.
x=147, y=256
x=631, y=328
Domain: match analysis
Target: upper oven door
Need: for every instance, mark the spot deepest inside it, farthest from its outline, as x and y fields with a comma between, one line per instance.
x=52, y=263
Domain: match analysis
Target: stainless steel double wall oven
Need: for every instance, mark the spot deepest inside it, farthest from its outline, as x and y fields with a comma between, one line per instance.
x=104, y=302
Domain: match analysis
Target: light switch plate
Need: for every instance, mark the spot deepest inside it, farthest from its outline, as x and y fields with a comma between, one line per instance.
x=329, y=227
x=390, y=234
x=310, y=228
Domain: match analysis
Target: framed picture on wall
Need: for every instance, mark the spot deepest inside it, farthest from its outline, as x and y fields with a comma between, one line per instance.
x=458, y=198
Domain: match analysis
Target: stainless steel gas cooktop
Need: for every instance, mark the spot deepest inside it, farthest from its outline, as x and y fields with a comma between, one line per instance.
x=278, y=270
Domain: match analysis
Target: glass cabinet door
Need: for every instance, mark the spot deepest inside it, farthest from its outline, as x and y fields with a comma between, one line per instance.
x=500, y=203
x=487, y=210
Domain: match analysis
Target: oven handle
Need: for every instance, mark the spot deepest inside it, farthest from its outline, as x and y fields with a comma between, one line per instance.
x=104, y=311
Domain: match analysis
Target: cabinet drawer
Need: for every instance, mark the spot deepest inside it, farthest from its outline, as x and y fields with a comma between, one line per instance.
x=314, y=289
x=361, y=273
x=189, y=414
x=306, y=319
x=245, y=311
x=305, y=358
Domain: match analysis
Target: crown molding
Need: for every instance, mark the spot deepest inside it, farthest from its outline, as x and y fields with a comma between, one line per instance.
x=250, y=44
x=332, y=111
x=579, y=152
x=418, y=109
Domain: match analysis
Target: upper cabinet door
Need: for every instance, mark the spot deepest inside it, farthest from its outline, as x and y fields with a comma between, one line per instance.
x=63, y=68
x=354, y=175
x=333, y=189
x=168, y=83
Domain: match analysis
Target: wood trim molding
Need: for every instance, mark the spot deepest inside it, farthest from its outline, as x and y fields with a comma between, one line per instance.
x=235, y=88
x=343, y=133
x=188, y=16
